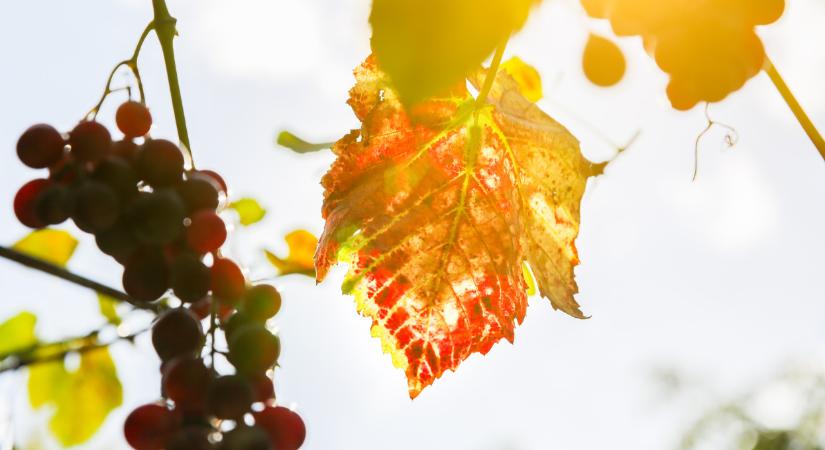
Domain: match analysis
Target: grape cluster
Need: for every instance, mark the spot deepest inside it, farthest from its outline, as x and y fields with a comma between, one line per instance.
x=161, y=223
x=708, y=47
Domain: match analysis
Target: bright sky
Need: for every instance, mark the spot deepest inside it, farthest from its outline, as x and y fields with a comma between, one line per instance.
x=721, y=278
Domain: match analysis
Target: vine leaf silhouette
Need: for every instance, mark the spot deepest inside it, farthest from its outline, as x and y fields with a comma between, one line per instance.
x=437, y=208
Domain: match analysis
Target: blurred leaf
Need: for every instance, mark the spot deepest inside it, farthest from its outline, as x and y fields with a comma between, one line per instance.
x=427, y=46
x=528, y=279
x=298, y=145
x=17, y=333
x=526, y=76
x=54, y=246
x=108, y=308
x=302, y=245
x=603, y=61
x=249, y=211
x=82, y=399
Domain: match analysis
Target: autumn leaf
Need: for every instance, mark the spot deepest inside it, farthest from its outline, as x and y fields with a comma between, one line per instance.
x=82, y=398
x=54, y=246
x=291, y=141
x=302, y=246
x=17, y=334
x=436, y=211
x=526, y=76
x=249, y=211
x=427, y=46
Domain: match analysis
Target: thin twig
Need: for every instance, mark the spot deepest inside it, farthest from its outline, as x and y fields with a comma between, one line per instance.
x=59, y=356
x=796, y=108
x=60, y=272
x=131, y=63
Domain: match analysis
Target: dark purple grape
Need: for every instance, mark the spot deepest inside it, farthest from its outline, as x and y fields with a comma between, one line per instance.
x=191, y=278
x=177, y=333
x=90, y=141
x=95, y=207
x=40, y=146
x=146, y=275
x=160, y=163
x=157, y=217
x=230, y=397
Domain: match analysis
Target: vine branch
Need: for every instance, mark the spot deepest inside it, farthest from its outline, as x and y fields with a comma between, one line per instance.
x=796, y=108
x=51, y=269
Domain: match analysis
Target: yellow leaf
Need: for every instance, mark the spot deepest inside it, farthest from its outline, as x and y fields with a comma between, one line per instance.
x=54, y=246
x=302, y=246
x=108, y=308
x=526, y=76
x=427, y=46
x=17, y=334
x=82, y=399
x=249, y=211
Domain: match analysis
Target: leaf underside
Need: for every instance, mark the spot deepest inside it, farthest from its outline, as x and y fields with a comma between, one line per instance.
x=437, y=208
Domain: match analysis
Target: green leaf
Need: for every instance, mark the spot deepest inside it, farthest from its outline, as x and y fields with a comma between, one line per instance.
x=17, y=334
x=427, y=46
x=300, y=260
x=54, y=246
x=82, y=399
x=298, y=145
x=108, y=308
x=249, y=211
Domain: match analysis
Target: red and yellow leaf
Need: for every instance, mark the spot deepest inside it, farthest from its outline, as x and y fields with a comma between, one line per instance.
x=436, y=210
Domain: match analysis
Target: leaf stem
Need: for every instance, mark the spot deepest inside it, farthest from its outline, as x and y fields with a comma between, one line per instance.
x=166, y=32
x=491, y=75
x=796, y=108
x=51, y=269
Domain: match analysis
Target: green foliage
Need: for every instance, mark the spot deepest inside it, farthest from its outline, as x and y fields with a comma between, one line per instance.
x=82, y=399
x=108, y=308
x=17, y=334
x=298, y=145
x=427, y=46
x=249, y=211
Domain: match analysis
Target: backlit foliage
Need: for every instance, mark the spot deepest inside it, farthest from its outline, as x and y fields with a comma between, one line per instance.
x=437, y=209
x=708, y=47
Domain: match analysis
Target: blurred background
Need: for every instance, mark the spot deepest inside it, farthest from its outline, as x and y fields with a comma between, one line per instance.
x=702, y=293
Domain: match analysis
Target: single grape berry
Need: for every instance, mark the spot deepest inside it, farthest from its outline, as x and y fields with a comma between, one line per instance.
x=262, y=302
x=228, y=283
x=54, y=205
x=190, y=438
x=285, y=428
x=126, y=149
x=191, y=278
x=198, y=193
x=253, y=349
x=149, y=427
x=90, y=141
x=40, y=146
x=235, y=322
x=206, y=232
x=230, y=397
x=146, y=275
x=95, y=207
x=186, y=382
x=246, y=438
x=160, y=163
x=157, y=217
x=25, y=202
x=177, y=332
x=263, y=387
x=119, y=175
x=603, y=61
x=212, y=176
x=133, y=119
x=118, y=241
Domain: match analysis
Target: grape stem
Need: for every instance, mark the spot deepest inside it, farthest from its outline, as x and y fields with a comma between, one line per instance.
x=491, y=75
x=796, y=108
x=166, y=32
x=51, y=269
x=132, y=64
x=30, y=356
